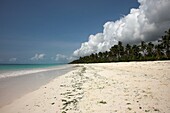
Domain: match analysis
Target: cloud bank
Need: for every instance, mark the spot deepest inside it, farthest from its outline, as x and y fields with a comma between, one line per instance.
x=38, y=57
x=147, y=23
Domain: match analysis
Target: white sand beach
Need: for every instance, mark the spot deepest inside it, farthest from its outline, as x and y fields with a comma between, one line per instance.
x=127, y=87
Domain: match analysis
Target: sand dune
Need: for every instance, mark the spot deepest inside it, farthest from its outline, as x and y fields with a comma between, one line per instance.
x=134, y=87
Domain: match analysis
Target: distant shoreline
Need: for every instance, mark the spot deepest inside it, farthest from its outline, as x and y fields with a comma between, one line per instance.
x=122, y=61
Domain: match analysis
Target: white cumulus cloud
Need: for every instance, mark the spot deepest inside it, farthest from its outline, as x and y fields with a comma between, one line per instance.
x=63, y=58
x=146, y=23
x=38, y=56
x=13, y=59
x=60, y=57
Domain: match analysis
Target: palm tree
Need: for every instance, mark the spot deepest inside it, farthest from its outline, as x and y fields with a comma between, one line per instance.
x=135, y=52
x=166, y=43
x=100, y=56
x=149, y=48
x=158, y=51
x=92, y=58
x=114, y=52
x=143, y=48
x=128, y=51
x=110, y=56
x=105, y=55
x=120, y=50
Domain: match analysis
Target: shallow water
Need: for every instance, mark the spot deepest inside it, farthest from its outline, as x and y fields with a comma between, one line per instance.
x=10, y=70
x=14, y=87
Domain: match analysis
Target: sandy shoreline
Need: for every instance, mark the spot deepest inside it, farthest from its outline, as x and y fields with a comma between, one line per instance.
x=134, y=87
x=12, y=88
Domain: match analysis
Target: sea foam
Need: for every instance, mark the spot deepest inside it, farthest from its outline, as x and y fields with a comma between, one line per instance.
x=14, y=73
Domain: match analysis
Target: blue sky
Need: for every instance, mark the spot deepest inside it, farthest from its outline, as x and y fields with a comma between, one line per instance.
x=45, y=28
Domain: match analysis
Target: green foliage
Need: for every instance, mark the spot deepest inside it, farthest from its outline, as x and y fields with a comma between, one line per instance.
x=143, y=52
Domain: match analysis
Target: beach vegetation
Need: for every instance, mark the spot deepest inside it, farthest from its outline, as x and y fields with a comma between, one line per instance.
x=145, y=51
x=129, y=108
x=103, y=102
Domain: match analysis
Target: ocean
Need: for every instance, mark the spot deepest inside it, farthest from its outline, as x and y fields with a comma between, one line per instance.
x=18, y=80
x=11, y=70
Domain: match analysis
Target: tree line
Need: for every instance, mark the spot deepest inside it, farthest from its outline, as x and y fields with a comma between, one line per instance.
x=142, y=52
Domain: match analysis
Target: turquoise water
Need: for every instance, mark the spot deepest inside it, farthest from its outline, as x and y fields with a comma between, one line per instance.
x=10, y=70
x=9, y=67
x=18, y=80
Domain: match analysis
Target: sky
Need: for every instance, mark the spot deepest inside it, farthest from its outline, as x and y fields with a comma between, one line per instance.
x=58, y=31
x=48, y=31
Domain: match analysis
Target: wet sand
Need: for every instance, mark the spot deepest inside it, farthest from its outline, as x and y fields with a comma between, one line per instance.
x=12, y=88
